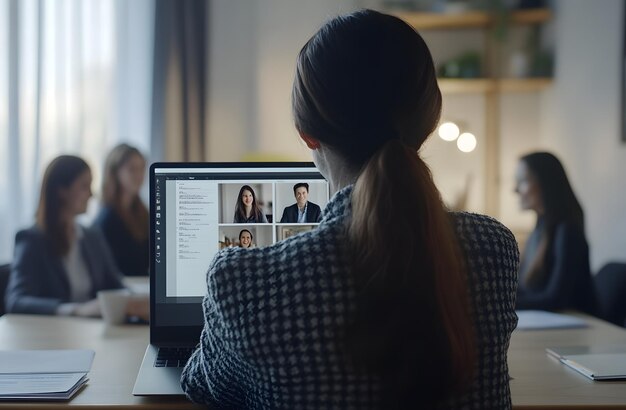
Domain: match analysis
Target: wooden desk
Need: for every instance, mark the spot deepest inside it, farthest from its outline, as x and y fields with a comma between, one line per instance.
x=540, y=381
x=119, y=351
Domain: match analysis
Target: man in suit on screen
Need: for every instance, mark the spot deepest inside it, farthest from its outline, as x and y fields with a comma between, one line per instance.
x=303, y=211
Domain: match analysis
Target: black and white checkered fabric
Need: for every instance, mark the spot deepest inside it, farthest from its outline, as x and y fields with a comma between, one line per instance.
x=274, y=316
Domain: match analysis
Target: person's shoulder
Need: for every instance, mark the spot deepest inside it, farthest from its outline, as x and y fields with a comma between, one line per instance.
x=482, y=226
x=105, y=215
x=482, y=235
x=31, y=233
x=314, y=205
x=233, y=271
x=92, y=233
x=569, y=233
x=492, y=255
x=239, y=278
x=30, y=238
x=234, y=264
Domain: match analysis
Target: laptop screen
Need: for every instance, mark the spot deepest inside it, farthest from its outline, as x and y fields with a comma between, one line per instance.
x=198, y=209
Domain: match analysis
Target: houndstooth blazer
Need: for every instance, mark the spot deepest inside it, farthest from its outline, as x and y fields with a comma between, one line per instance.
x=273, y=315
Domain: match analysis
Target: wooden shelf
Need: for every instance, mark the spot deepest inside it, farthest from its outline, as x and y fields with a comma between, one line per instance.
x=471, y=19
x=531, y=16
x=462, y=86
x=490, y=88
x=523, y=85
x=484, y=85
x=429, y=21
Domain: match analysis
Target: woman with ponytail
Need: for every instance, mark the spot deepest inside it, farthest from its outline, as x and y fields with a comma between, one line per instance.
x=345, y=316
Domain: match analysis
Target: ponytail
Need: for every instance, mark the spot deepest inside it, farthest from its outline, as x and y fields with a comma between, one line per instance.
x=413, y=326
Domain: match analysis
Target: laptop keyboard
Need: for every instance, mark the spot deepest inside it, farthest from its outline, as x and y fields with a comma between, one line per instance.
x=173, y=356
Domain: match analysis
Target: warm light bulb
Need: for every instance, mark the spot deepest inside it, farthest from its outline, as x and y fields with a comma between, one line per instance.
x=466, y=142
x=448, y=131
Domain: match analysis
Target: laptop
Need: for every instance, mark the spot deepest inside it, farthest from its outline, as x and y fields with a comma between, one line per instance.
x=595, y=362
x=192, y=216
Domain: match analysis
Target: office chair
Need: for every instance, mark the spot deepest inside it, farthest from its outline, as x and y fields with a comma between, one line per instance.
x=610, y=284
x=5, y=271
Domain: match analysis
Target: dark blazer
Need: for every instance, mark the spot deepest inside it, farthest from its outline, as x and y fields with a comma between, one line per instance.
x=38, y=282
x=132, y=257
x=313, y=213
x=568, y=283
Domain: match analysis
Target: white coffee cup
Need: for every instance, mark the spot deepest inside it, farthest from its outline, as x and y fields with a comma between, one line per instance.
x=113, y=305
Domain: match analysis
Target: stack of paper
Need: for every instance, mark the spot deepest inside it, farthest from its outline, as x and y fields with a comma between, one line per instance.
x=43, y=374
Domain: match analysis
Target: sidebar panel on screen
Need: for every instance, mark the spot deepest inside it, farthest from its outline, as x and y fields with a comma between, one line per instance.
x=192, y=226
x=196, y=230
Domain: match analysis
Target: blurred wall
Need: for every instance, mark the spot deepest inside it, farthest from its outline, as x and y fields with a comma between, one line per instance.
x=582, y=117
x=253, y=46
x=252, y=51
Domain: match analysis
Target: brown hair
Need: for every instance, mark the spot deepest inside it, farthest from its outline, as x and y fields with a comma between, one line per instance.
x=240, y=208
x=365, y=86
x=60, y=173
x=300, y=185
x=136, y=218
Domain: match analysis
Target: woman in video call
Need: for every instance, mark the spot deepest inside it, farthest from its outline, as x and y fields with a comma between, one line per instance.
x=245, y=239
x=60, y=265
x=554, y=271
x=123, y=217
x=247, y=210
x=344, y=316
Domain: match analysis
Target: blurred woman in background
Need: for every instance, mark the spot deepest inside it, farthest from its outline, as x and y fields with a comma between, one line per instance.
x=59, y=265
x=554, y=271
x=123, y=217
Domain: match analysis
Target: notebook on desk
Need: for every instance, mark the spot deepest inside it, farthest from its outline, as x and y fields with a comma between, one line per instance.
x=191, y=217
x=594, y=362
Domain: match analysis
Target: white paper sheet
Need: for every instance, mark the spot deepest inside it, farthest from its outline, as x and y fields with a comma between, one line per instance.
x=37, y=383
x=539, y=319
x=43, y=374
x=45, y=361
